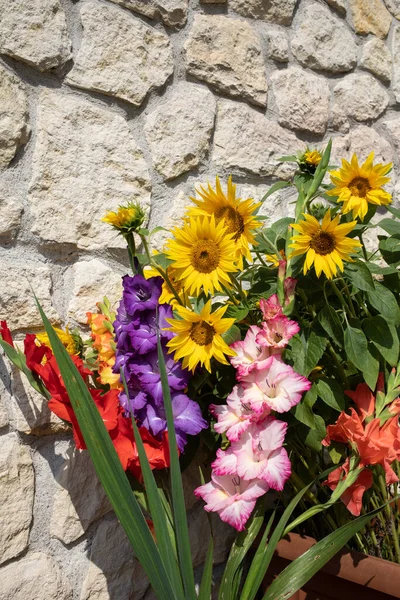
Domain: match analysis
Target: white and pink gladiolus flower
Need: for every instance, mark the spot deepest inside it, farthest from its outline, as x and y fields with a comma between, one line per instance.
x=231, y=497
x=277, y=386
x=277, y=332
x=270, y=308
x=248, y=353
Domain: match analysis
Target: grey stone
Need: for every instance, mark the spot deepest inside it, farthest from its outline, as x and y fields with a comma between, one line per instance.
x=16, y=499
x=302, y=100
x=247, y=141
x=34, y=32
x=85, y=162
x=13, y=115
x=34, y=577
x=120, y=56
x=273, y=11
x=278, y=46
x=392, y=128
x=322, y=41
x=11, y=211
x=339, y=5
x=172, y=12
x=179, y=130
x=396, y=62
x=360, y=97
x=394, y=7
x=226, y=53
x=377, y=59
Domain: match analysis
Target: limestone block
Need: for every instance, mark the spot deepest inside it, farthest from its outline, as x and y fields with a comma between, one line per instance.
x=16, y=499
x=392, y=128
x=370, y=16
x=85, y=162
x=302, y=100
x=119, y=55
x=278, y=46
x=113, y=571
x=360, y=97
x=179, y=130
x=277, y=206
x=11, y=211
x=3, y=409
x=34, y=577
x=172, y=12
x=17, y=302
x=273, y=11
x=396, y=62
x=14, y=128
x=339, y=5
x=377, y=59
x=246, y=140
x=170, y=214
x=322, y=41
x=226, y=53
x=394, y=7
x=213, y=1
x=79, y=499
x=34, y=32
x=91, y=281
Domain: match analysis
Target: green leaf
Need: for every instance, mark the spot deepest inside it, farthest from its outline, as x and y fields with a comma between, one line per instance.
x=331, y=393
x=391, y=226
x=320, y=171
x=356, y=346
x=297, y=351
x=18, y=359
x=279, y=185
x=390, y=250
x=162, y=260
x=371, y=370
x=384, y=301
x=384, y=336
x=206, y=579
x=290, y=158
x=298, y=572
x=232, y=335
x=315, y=347
x=394, y=211
x=280, y=227
x=315, y=436
x=303, y=411
x=256, y=563
x=109, y=469
x=178, y=500
x=236, y=312
x=330, y=321
x=360, y=276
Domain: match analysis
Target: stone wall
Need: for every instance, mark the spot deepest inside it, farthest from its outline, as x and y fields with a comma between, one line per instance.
x=104, y=101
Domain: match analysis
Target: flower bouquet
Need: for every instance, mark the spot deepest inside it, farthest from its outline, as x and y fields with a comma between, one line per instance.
x=269, y=352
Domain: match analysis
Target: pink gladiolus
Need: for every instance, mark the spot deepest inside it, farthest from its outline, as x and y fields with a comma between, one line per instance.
x=248, y=352
x=270, y=308
x=236, y=416
x=277, y=387
x=277, y=332
x=289, y=286
x=231, y=497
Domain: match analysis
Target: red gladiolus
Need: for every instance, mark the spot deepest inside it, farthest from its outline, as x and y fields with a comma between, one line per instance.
x=352, y=497
x=5, y=333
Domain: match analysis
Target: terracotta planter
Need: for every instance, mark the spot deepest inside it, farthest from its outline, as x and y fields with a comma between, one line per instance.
x=348, y=576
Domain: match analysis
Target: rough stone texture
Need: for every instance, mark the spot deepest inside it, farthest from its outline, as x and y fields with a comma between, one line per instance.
x=362, y=141
x=11, y=211
x=16, y=498
x=17, y=303
x=113, y=571
x=377, y=59
x=302, y=100
x=85, y=162
x=199, y=535
x=13, y=115
x=120, y=56
x=370, y=16
x=34, y=577
x=34, y=32
x=179, y=130
x=275, y=11
x=322, y=41
x=79, y=500
x=172, y=12
x=246, y=140
x=90, y=279
x=278, y=46
x=396, y=62
x=339, y=5
x=226, y=53
x=360, y=97
x=4, y=396
x=213, y=1
x=391, y=128
x=394, y=7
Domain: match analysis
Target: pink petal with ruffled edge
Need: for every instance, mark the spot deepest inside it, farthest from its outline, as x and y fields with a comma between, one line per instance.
x=277, y=332
x=270, y=308
x=248, y=352
x=225, y=463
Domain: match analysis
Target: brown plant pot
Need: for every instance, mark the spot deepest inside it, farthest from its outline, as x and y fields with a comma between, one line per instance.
x=348, y=576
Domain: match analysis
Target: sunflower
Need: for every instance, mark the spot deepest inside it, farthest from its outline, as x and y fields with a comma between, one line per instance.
x=198, y=337
x=356, y=185
x=167, y=296
x=203, y=255
x=325, y=245
x=312, y=157
x=65, y=337
x=238, y=215
x=127, y=219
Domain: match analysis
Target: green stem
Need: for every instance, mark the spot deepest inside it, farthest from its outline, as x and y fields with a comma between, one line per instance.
x=239, y=288
x=341, y=299
x=338, y=364
x=363, y=247
x=346, y=289
x=230, y=295
x=388, y=510
x=162, y=272
x=130, y=240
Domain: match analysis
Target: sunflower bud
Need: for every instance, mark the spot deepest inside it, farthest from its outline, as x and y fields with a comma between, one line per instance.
x=309, y=160
x=127, y=219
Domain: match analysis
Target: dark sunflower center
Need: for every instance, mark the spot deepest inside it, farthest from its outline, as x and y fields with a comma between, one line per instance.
x=205, y=256
x=359, y=186
x=202, y=333
x=233, y=220
x=323, y=243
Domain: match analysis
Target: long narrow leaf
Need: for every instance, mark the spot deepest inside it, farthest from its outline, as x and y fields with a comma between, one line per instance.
x=206, y=579
x=257, y=560
x=109, y=469
x=305, y=566
x=178, y=500
x=157, y=512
